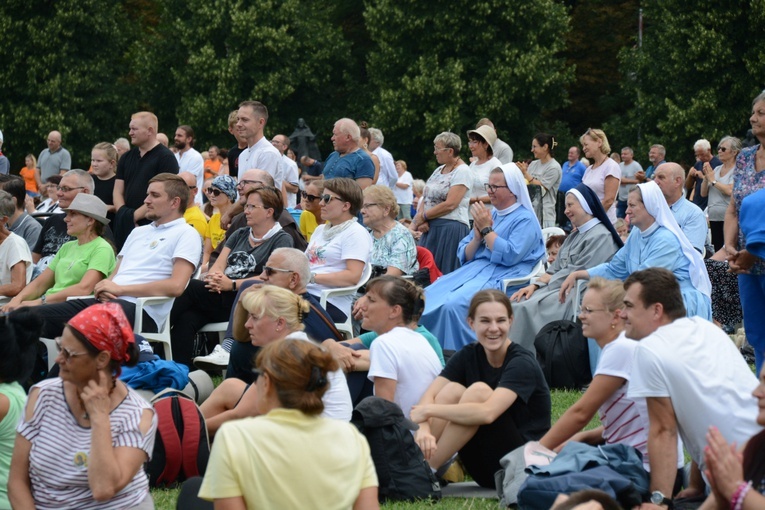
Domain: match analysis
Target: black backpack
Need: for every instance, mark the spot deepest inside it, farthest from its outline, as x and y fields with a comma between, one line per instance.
x=182, y=446
x=402, y=472
x=563, y=354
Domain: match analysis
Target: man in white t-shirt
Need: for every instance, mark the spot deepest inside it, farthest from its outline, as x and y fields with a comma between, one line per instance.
x=157, y=260
x=691, y=376
x=251, y=119
x=388, y=174
x=189, y=159
x=629, y=168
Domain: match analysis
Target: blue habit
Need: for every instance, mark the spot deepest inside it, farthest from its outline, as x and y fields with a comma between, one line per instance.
x=517, y=249
x=656, y=247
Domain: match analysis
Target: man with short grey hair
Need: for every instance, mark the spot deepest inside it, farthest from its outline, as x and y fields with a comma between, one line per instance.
x=502, y=151
x=702, y=150
x=55, y=160
x=656, y=156
x=349, y=160
x=122, y=145
x=388, y=174
x=629, y=168
x=669, y=177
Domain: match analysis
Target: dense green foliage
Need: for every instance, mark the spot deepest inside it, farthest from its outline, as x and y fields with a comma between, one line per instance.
x=411, y=68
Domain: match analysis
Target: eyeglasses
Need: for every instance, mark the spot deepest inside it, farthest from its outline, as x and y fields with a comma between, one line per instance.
x=328, y=198
x=214, y=192
x=67, y=189
x=722, y=149
x=66, y=353
x=367, y=206
x=243, y=182
x=436, y=149
x=250, y=207
x=308, y=197
x=587, y=311
x=271, y=270
x=493, y=187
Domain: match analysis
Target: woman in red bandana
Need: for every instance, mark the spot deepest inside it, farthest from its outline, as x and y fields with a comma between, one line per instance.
x=85, y=436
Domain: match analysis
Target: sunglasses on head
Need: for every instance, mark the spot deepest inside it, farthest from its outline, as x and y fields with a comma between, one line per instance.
x=309, y=197
x=214, y=191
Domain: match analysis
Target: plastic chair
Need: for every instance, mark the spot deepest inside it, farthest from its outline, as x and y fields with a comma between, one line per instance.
x=163, y=330
x=548, y=232
x=347, y=326
x=215, y=327
x=509, y=282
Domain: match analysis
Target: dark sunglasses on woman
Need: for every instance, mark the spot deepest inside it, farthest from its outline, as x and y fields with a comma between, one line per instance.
x=213, y=191
x=308, y=197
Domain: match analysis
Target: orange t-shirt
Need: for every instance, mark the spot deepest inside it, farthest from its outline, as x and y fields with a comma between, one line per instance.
x=212, y=168
x=29, y=179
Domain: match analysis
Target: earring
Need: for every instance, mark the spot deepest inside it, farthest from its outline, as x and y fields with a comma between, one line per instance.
x=613, y=326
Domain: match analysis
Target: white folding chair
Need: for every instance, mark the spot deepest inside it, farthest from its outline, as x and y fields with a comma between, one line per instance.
x=163, y=330
x=510, y=282
x=215, y=327
x=579, y=290
x=548, y=232
x=347, y=326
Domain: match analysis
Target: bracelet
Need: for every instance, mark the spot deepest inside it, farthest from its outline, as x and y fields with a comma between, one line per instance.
x=43, y=298
x=737, y=501
x=424, y=216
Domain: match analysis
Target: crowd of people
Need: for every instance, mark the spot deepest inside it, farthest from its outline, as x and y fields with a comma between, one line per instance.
x=288, y=250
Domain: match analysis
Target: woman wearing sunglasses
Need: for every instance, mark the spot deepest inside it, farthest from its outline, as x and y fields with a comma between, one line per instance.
x=242, y=258
x=222, y=195
x=84, y=436
x=311, y=217
x=340, y=248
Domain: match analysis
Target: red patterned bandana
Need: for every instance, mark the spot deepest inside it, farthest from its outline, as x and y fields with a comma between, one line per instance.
x=106, y=327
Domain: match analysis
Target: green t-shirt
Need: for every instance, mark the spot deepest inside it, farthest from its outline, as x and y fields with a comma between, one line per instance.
x=74, y=260
x=370, y=336
x=16, y=397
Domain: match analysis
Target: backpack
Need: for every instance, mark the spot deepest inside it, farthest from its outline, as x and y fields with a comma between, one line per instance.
x=402, y=472
x=563, y=354
x=182, y=445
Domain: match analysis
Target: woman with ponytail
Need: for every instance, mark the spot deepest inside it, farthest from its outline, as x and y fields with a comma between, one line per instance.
x=273, y=314
x=546, y=172
x=490, y=398
x=401, y=362
x=290, y=457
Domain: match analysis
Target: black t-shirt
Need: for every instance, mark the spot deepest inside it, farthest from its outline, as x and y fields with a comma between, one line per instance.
x=104, y=189
x=53, y=236
x=233, y=160
x=137, y=171
x=519, y=373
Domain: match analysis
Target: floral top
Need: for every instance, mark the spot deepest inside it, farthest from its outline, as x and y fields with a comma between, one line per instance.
x=396, y=248
x=746, y=180
x=437, y=188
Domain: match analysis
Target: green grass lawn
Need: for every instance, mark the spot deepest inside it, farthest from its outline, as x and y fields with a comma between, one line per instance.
x=561, y=400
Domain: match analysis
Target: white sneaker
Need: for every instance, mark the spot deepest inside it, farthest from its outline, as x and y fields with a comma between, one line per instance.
x=215, y=361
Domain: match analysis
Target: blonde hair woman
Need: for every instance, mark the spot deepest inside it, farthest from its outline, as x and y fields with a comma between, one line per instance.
x=603, y=175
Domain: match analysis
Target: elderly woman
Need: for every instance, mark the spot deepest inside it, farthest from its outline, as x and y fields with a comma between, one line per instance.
x=49, y=204
x=655, y=241
x=273, y=314
x=489, y=399
x=340, y=248
x=593, y=242
x=242, y=258
x=79, y=264
x=504, y=243
x=544, y=171
x=718, y=186
x=20, y=332
x=222, y=195
x=442, y=213
x=85, y=436
x=15, y=258
x=748, y=178
x=393, y=248
x=603, y=175
x=311, y=218
x=289, y=456
x=404, y=191
x=480, y=143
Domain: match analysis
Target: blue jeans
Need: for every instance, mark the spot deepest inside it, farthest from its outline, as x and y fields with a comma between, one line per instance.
x=621, y=209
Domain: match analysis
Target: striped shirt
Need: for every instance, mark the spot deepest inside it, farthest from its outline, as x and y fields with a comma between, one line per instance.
x=58, y=458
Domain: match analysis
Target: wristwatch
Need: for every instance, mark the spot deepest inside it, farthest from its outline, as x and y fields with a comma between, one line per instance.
x=657, y=498
x=313, y=278
x=714, y=183
x=486, y=231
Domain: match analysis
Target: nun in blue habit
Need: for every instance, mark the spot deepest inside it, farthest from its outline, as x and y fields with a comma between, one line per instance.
x=504, y=243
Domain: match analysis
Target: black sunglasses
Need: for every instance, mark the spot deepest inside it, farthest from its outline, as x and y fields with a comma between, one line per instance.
x=271, y=270
x=213, y=191
x=308, y=197
x=328, y=198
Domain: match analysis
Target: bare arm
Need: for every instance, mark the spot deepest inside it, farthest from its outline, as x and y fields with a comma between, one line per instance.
x=18, y=280
x=364, y=182
x=730, y=229
x=662, y=444
x=34, y=290
x=236, y=503
x=453, y=199
x=580, y=414
x=19, y=483
x=385, y=388
x=345, y=278
x=118, y=195
x=469, y=413
x=170, y=287
x=367, y=499
x=610, y=188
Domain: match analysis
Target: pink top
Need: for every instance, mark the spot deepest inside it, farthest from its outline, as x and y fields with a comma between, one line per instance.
x=595, y=179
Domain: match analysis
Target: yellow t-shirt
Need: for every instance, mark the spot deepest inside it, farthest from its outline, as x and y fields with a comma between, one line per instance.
x=287, y=459
x=197, y=219
x=213, y=231
x=307, y=224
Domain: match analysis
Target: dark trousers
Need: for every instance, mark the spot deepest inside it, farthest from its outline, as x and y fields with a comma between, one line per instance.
x=490, y=443
x=718, y=236
x=193, y=309
x=56, y=315
x=242, y=361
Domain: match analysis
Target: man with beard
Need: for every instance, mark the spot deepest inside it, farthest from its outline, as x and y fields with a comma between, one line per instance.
x=189, y=159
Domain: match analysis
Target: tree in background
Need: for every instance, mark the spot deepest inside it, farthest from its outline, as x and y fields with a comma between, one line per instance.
x=695, y=76
x=442, y=66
